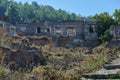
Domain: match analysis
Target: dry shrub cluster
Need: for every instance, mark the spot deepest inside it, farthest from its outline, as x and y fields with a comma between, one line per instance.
x=48, y=73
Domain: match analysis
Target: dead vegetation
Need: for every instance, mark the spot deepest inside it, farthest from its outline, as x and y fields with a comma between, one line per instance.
x=62, y=63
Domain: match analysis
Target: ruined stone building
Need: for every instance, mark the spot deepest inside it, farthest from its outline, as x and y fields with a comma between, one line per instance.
x=63, y=33
x=115, y=31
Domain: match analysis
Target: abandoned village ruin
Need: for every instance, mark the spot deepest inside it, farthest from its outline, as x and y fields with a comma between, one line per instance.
x=62, y=33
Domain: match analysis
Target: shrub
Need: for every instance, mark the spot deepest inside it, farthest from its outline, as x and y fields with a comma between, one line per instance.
x=107, y=37
x=48, y=73
x=6, y=74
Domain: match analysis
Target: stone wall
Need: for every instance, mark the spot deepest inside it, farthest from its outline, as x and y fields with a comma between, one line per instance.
x=115, y=31
x=9, y=28
x=76, y=31
x=30, y=29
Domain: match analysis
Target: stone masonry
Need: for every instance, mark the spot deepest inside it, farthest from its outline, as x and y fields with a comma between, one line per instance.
x=75, y=33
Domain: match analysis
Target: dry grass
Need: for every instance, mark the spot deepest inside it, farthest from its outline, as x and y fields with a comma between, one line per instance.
x=68, y=64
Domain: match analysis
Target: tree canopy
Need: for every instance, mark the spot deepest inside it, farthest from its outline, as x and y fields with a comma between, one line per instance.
x=105, y=21
x=19, y=12
x=12, y=12
x=116, y=16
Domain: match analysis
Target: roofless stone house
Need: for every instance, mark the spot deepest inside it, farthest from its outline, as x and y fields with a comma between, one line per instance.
x=63, y=33
x=115, y=32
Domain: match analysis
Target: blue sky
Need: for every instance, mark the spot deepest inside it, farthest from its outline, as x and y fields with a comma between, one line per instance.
x=82, y=7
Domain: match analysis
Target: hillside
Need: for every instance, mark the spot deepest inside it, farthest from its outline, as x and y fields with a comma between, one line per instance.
x=22, y=59
x=27, y=61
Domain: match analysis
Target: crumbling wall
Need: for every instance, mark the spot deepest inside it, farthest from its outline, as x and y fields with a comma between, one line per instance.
x=40, y=41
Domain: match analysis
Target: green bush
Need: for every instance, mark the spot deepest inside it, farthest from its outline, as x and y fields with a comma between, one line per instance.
x=107, y=37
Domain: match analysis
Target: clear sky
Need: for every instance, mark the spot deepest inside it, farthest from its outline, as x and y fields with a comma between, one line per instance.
x=82, y=7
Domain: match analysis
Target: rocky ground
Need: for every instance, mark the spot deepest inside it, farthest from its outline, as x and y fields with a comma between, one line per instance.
x=108, y=71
